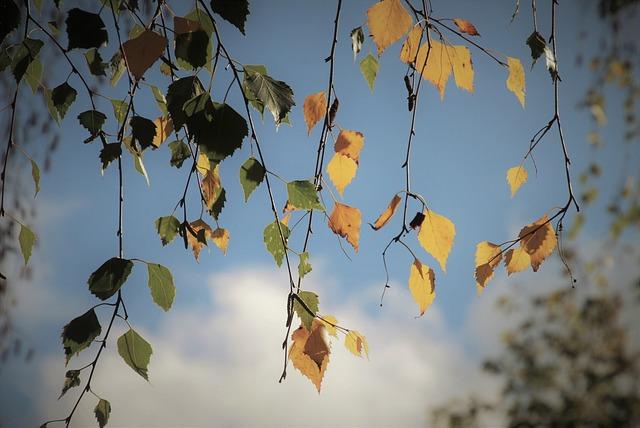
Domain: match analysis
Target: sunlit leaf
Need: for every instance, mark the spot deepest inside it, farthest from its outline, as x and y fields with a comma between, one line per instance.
x=341, y=170
x=102, y=412
x=314, y=108
x=435, y=63
x=488, y=256
x=94, y=61
x=27, y=240
x=330, y=322
x=516, y=79
x=516, y=260
x=462, y=66
x=273, y=240
x=167, y=228
x=311, y=301
x=202, y=232
x=356, y=343
x=35, y=174
x=220, y=238
x=369, y=69
x=120, y=110
x=538, y=239
x=516, y=177
x=135, y=351
x=411, y=45
x=309, y=352
x=350, y=144
x=304, y=267
x=436, y=236
x=251, y=175
x=302, y=195
x=273, y=94
x=164, y=128
x=345, y=221
x=388, y=21
x=387, y=213
x=466, y=27
x=422, y=285
x=160, y=283
x=26, y=53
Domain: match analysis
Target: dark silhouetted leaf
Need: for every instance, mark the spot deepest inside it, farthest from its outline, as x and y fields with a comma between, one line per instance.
x=273, y=241
x=108, y=278
x=167, y=227
x=161, y=285
x=537, y=44
x=191, y=48
x=92, y=121
x=25, y=54
x=135, y=351
x=179, y=92
x=71, y=379
x=79, y=333
x=62, y=97
x=251, y=175
x=85, y=30
x=142, y=130
x=311, y=300
x=94, y=61
x=179, y=153
x=357, y=39
x=223, y=134
x=102, y=411
x=9, y=18
x=234, y=11
x=218, y=204
x=275, y=95
x=109, y=153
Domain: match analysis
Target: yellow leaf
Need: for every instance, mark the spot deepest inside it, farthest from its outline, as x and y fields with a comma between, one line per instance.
x=140, y=53
x=309, y=352
x=220, y=237
x=516, y=177
x=356, y=343
x=488, y=256
x=516, y=260
x=387, y=213
x=411, y=45
x=164, y=128
x=341, y=171
x=203, y=164
x=285, y=220
x=350, y=144
x=462, y=66
x=436, y=236
x=422, y=285
x=538, y=239
x=345, y=221
x=388, y=21
x=330, y=322
x=194, y=241
x=438, y=64
x=515, y=81
x=211, y=186
x=466, y=27
x=314, y=108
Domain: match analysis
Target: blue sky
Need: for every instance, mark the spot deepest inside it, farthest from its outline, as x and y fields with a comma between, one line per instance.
x=462, y=149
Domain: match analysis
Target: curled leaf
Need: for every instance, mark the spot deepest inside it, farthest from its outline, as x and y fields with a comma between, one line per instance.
x=387, y=213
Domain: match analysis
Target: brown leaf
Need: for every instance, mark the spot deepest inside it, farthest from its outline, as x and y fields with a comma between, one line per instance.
x=466, y=27
x=140, y=53
x=387, y=213
x=350, y=144
x=309, y=352
x=202, y=233
x=345, y=221
x=211, y=186
x=488, y=256
x=538, y=239
x=183, y=25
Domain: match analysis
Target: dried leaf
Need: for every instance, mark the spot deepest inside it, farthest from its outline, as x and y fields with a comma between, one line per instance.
x=411, y=45
x=220, y=238
x=202, y=232
x=516, y=177
x=345, y=221
x=466, y=27
x=350, y=144
x=488, y=256
x=422, y=285
x=538, y=239
x=436, y=236
x=341, y=170
x=355, y=342
x=164, y=128
x=388, y=21
x=140, y=53
x=309, y=352
x=314, y=108
x=516, y=79
x=387, y=213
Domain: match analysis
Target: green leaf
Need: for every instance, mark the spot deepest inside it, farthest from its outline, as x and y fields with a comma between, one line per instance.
x=275, y=95
x=537, y=44
x=304, y=267
x=9, y=18
x=161, y=285
x=274, y=243
x=369, y=69
x=35, y=174
x=233, y=11
x=160, y=100
x=48, y=98
x=251, y=97
x=102, y=411
x=357, y=39
x=53, y=26
x=109, y=153
x=179, y=92
x=142, y=130
x=223, y=134
x=27, y=240
x=135, y=351
x=33, y=75
x=108, y=278
x=85, y=30
x=117, y=67
x=62, y=97
x=179, y=153
x=5, y=59
x=71, y=379
x=311, y=300
x=167, y=227
x=303, y=195
x=120, y=109
x=218, y=204
x=192, y=49
x=92, y=121
x=25, y=54
x=79, y=333
x=251, y=175
x=94, y=61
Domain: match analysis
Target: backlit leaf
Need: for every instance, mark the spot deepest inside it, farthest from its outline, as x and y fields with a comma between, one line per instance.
x=345, y=221
x=304, y=267
x=422, y=285
x=120, y=109
x=516, y=177
x=179, y=153
x=167, y=228
x=94, y=61
x=102, y=412
x=311, y=300
x=388, y=21
x=275, y=95
x=369, y=69
x=160, y=283
x=341, y=170
x=109, y=153
x=135, y=351
x=350, y=144
x=538, y=239
x=161, y=102
x=35, y=174
x=357, y=38
x=220, y=238
x=202, y=232
x=164, y=128
x=92, y=121
x=302, y=195
x=466, y=27
x=356, y=343
x=251, y=175
x=71, y=380
x=273, y=240
x=435, y=63
x=387, y=213
x=108, y=278
x=436, y=236
x=462, y=66
x=79, y=333
x=309, y=352
x=411, y=45
x=488, y=256
x=516, y=79
x=330, y=322
x=33, y=75
x=26, y=53
x=143, y=131
x=516, y=260
x=233, y=11
x=314, y=108
x=85, y=30
x=27, y=240
x=211, y=186
x=140, y=53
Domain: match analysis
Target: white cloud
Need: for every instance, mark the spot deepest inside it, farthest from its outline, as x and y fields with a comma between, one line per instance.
x=220, y=367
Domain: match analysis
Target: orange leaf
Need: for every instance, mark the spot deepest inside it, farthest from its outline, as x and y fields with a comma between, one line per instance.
x=314, y=108
x=538, y=239
x=341, y=171
x=164, y=128
x=466, y=27
x=140, y=53
x=388, y=21
x=345, y=221
x=387, y=213
x=436, y=236
x=422, y=285
x=350, y=144
x=203, y=232
x=309, y=352
x=488, y=256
